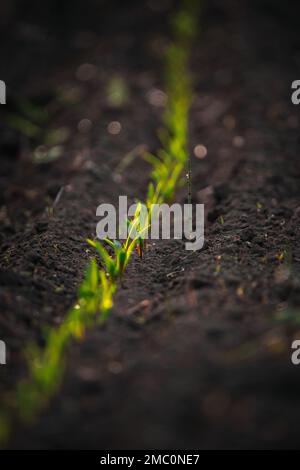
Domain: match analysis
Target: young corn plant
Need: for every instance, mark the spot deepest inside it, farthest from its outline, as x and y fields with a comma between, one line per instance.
x=171, y=160
x=46, y=366
x=115, y=265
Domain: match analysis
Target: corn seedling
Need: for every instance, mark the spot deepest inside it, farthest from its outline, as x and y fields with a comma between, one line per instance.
x=173, y=157
x=115, y=265
x=46, y=366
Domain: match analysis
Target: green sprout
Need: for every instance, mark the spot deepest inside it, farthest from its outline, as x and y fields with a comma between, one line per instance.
x=115, y=265
x=46, y=366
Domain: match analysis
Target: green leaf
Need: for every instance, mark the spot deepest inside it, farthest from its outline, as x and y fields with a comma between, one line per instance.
x=106, y=258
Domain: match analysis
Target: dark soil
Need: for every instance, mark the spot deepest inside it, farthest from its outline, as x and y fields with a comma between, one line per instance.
x=197, y=351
